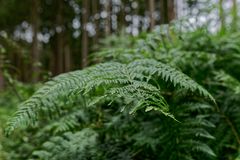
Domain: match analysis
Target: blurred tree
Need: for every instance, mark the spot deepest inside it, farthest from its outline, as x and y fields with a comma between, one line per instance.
x=1, y=80
x=50, y=35
x=167, y=12
x=60, y=29
x=85, y=43
x=35, y=50
x=121, y=16
x=67, y=57
x=107, y=11
x=96, y=17
x=1, y=73
x=171, y=10
x=152, y=10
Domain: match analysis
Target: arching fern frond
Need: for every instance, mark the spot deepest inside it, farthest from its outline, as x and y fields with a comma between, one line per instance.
x=169, y=74
x=115, y=79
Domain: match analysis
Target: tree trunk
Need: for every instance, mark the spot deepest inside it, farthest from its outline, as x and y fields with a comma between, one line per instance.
x=1, y=73
x=59, y=63
x=35, y=52
x=151, y=13
x=96, y=20
x=67, y=58
x=163, y=12
x=122, y=14
x=167, y=11
x=1, y=80
x=171, y=10
x=84, y=47
x=107, y=8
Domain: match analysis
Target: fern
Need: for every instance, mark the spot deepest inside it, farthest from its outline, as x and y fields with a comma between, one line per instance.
x=205, y=60
x=70, y=146
x=228, y=81
x=130, y=79
x=66, y=122
x=185, y=140
x=147, y=77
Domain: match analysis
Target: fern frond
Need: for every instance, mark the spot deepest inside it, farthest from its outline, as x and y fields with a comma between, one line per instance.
x=169, y=74
x=116, y=78
x=69, y=146
x=228, y=81
x=199, y=147
x=184, y=140
x=67, y=121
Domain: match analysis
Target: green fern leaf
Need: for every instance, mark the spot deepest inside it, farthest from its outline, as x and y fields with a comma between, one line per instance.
x=118, y=80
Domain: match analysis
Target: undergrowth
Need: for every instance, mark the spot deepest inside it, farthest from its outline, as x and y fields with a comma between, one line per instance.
x=163, y=95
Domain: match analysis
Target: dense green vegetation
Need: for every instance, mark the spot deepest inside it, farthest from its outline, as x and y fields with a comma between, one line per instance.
x=162, y=95
x=119, y=80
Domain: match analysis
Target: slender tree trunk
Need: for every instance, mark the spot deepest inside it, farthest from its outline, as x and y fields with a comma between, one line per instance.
x=85, y=48
x=67, y=58
x=222, y=16
x=59, y=61
x=151, y=13
x=121, y=22
x=107, y=8
x=1, y=80
x=234, y=15
x=35, y=52
x=167, y=11
x=1, y=73
x=95, y=6
x=171, y=10
x=163, y=12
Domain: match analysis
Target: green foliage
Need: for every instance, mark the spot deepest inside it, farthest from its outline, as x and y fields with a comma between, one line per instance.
x=9, y=98
x=85, y=114
x=131, y=80
x=79, y=145
x=212, y=60
x=183, y=140
x=228, y=81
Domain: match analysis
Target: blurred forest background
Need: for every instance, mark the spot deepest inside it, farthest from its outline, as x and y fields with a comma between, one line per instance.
x=40, y=39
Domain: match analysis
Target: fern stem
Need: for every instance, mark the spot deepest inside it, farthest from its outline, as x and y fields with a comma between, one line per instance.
x=232, y=128
x=228, y=121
